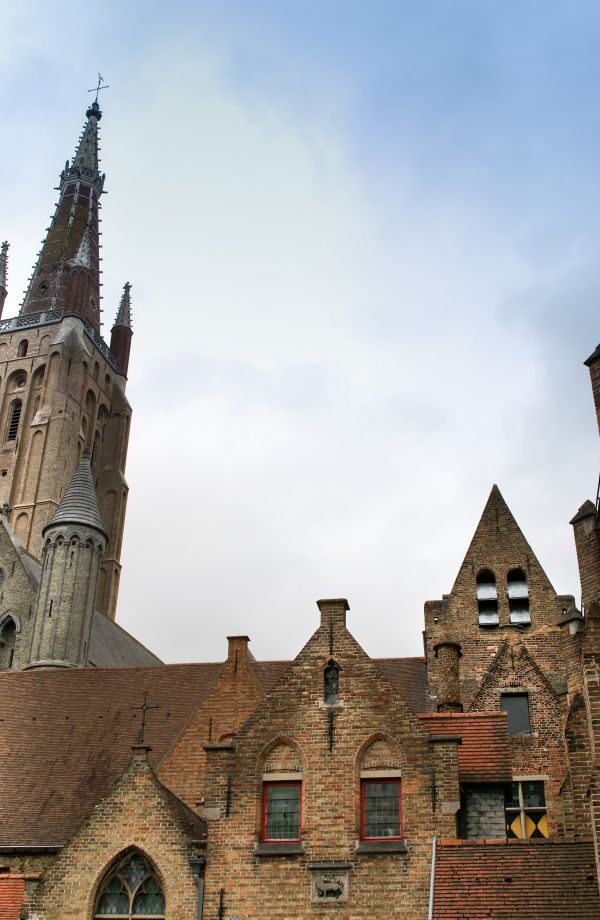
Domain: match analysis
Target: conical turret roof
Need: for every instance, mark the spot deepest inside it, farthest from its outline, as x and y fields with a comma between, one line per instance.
x=124, y=314
x=79, y=504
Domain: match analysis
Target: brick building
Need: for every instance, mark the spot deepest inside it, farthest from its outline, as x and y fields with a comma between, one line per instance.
x=461, y=784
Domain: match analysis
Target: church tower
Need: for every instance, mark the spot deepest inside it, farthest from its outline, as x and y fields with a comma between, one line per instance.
x=74, y=543
x=62, y=389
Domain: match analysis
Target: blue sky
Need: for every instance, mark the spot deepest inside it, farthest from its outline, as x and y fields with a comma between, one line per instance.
x=362, y=239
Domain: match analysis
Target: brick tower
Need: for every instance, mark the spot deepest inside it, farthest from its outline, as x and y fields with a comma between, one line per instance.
x=62, y=389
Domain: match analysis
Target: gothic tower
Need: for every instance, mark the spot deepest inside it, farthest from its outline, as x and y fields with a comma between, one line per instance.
x=74, y=543
x=62, y=389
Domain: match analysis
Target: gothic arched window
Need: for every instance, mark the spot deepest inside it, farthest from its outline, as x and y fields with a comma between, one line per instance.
x=130, y=890
x=518, y=597
x=487, y=598
x=22, y=349
x=8, y=638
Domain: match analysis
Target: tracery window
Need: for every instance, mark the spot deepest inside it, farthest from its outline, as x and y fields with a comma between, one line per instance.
x=131, y=889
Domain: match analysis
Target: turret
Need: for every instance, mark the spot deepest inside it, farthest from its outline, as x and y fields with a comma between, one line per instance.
x=74, y=543
x=120, y=340
x=3, y=269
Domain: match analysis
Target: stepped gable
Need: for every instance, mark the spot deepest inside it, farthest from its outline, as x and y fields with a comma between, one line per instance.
x=502, y=880
x=70, y=737
x=484, y=755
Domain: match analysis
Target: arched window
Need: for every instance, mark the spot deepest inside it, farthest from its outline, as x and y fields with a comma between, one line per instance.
x=331, y=680
x=518, y=597
x=8, y=638
x=132, y=889
x=22, y=349
x=487, y=599
x=13, y=420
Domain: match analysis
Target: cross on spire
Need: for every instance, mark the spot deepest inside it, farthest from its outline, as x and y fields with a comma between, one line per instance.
x=99, y=88
x=144, y=708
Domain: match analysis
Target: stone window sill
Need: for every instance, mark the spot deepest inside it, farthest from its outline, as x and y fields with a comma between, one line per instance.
x=381, y=846
x=279, y=849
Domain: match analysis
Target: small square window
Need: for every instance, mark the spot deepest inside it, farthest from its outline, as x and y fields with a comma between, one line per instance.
x=381, y=810
x=516, y=705
x=525, y=807
x=281, y=811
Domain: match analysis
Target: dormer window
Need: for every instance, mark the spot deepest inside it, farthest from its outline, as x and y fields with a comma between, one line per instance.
x=518, y=597
x=487, y=599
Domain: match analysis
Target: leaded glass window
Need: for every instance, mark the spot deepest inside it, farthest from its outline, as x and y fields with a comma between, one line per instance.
x=331, y=677
x=132, y=889
x=281, y=811
x=381, y=809
x=525, y=806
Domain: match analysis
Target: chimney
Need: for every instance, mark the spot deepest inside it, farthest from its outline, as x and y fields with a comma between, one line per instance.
x=237, y=649
x=448, y=655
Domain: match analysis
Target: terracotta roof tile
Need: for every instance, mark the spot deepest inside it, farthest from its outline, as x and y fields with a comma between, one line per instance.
x=484, y=755
x=11, y=897
x=65, y=737
x=531, y=880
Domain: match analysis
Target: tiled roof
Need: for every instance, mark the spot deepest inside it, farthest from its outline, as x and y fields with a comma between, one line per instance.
x=11, y=897
x=66, y=735
x=484, y=755
x=409, y=677
x=498, y=880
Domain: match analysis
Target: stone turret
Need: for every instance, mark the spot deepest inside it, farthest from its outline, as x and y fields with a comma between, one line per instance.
x=74, y=543
x=120, y=340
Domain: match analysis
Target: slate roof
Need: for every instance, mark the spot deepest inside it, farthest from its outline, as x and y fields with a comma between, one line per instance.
x=498, y=880
x=11, y=897
x=484, y=756
x=79, y=504
x=66, y=736
x=111, y=646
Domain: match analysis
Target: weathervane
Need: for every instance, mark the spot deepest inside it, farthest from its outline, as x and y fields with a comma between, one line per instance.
x=97, y=89
x=144, y=708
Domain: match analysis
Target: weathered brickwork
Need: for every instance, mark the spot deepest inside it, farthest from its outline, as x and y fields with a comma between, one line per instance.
x=137, y=814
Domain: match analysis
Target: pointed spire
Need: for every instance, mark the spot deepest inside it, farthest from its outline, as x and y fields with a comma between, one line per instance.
x=79, y=504
x=124, y=314
x=3, y=269
x=73, y=238
x=120, y=339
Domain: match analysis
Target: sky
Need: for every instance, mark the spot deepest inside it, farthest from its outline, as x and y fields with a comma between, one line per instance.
x=362, y=240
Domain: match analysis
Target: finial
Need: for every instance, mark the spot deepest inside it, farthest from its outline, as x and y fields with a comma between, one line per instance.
x=3, y=263
x=94, y=109
x=144, y=708
x=124, y=314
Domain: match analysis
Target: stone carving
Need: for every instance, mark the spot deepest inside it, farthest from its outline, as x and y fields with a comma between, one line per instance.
x=330, y=886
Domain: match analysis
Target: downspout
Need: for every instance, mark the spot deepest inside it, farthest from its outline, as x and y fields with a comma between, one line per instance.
x=432, y=883
x=198, y=864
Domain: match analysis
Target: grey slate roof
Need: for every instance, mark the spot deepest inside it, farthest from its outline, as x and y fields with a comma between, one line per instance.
x=79, y=504
x=111, y=646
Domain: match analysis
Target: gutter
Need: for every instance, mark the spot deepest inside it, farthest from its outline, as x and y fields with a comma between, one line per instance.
x=52, y=848
x=432, y=883
x=198, y=864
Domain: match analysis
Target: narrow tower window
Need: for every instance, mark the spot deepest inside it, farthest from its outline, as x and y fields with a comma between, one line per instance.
x=487, y=599
x=22, y=349
x=331, y=677
x=13, y=420
x=518, y=597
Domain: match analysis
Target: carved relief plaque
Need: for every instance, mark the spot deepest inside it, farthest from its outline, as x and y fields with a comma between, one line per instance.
x=329, y=885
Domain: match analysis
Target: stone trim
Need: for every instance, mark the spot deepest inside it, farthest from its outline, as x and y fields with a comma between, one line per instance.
x=365, y=847
x=279, y=849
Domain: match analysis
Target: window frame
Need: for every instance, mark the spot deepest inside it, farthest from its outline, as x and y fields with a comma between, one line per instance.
x=269, y=784
x=367, y=781
x=523, y=810
x=520, y=694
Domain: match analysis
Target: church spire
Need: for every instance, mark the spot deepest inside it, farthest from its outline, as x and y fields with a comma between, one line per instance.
x=3, y=268
x=72, y=241
x=120, y=340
